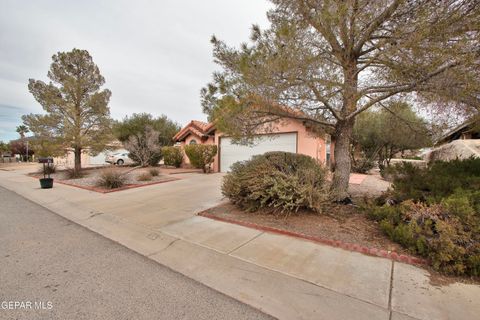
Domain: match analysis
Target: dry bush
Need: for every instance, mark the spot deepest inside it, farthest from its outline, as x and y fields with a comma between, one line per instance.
x=144, y=177
x=111, y=179
x=283, y=181
x=154, y=172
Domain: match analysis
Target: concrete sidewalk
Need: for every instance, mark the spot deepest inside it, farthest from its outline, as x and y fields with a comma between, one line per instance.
x=286, y=277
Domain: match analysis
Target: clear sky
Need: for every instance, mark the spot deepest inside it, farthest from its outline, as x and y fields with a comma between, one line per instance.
x=155, y=55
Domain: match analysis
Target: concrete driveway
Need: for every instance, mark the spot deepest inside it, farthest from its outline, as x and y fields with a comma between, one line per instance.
x=158, y=205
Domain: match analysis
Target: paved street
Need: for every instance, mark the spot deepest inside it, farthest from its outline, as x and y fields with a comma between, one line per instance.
x=46, y=258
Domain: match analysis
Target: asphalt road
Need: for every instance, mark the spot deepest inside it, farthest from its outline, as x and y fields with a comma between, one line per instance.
x=60, y=270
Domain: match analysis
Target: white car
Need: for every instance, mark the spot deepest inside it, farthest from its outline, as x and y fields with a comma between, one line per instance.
x=119, y=158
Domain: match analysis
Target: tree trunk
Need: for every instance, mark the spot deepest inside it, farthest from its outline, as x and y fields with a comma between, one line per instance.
x=78, y=159
x=341, y=176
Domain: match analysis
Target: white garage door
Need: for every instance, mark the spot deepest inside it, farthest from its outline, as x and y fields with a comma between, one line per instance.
x=231, y=153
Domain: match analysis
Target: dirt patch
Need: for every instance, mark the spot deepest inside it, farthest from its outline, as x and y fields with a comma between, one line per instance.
x=342, y=223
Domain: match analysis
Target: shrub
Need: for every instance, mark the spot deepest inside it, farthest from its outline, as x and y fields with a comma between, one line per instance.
x=282, y=181
x=172, y=156
x=144, y=148
x=111, y=179
x=436, y=182
x=71, y=173
x=439, y=213
x=144, y=177
x=154, y=172
x=201, y=155
x=447, y=233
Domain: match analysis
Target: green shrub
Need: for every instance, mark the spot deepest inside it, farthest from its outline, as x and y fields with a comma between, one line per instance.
x=446, y=233
x=154, y=172
x=436, y=182
x=144, y=177
x=172, y=156
x=111, y=179
x=283, y=181
x=201, y=156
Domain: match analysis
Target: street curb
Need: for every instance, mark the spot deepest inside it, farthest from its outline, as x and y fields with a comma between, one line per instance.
x=330, y=242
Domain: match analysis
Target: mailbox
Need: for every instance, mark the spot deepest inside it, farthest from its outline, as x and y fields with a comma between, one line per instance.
x=45, y=160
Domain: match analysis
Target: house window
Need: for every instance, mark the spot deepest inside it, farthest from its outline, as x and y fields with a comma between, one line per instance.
x=193, y=141
x=328, y=150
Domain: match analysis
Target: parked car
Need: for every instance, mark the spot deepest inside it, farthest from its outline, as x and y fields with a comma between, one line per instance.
x=119, y=158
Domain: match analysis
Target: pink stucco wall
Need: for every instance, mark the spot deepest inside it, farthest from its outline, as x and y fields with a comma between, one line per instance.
x=307, y=143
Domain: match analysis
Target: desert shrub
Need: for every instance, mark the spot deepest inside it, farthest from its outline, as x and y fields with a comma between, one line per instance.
x=144, y=148
x=172, y=156
x=111, y=179
x=154, y=172
x=144, y=176
x=446, y=233
x=71, y=173
x=201, y=156
x=435, y=182
x=282, y=181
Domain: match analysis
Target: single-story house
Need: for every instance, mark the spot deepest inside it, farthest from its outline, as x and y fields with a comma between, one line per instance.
x=468, y=130
x=290, y=135
x=461, y=142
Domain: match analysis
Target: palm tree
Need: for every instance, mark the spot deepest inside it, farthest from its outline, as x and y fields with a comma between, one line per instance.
x=22, y=130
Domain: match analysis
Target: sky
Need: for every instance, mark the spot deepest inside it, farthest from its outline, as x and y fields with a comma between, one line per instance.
x=155, y=55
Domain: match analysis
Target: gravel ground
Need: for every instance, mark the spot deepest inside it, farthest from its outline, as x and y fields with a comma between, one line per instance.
x=91, y=176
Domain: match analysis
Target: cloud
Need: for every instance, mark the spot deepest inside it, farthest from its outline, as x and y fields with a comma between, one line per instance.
x=154, y=55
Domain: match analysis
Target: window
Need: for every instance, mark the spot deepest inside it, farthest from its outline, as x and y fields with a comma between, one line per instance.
x=193, y=141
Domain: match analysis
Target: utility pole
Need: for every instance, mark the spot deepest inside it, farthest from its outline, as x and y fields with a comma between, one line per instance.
x=27, y=150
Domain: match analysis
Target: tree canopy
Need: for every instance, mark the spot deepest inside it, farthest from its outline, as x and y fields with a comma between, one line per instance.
x=76, y=108
x=137, y=122
x=22, y=130
x=325, y=62
x=380, y=134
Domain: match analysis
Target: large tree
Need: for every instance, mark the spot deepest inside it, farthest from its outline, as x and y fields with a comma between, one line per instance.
x=22, y=130
x=137, y=123
x=325, y=62
x=77, y=113
x=144, y=135
x=380, y=134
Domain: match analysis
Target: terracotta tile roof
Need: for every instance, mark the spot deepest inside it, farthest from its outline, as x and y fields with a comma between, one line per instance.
x=196, y=127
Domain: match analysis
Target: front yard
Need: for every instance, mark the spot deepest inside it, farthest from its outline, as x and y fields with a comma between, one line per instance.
x=428, y=216
x=129, y=177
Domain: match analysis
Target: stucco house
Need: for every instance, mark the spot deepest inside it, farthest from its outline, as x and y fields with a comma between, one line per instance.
x=290, y=135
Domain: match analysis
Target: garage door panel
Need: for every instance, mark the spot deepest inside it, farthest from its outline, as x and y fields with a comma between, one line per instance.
x=231, y=153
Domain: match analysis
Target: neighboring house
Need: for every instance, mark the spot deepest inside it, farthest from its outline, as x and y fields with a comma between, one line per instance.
x=468, y=130
x=290, y=136
x=68, y=160
x=462, y=142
